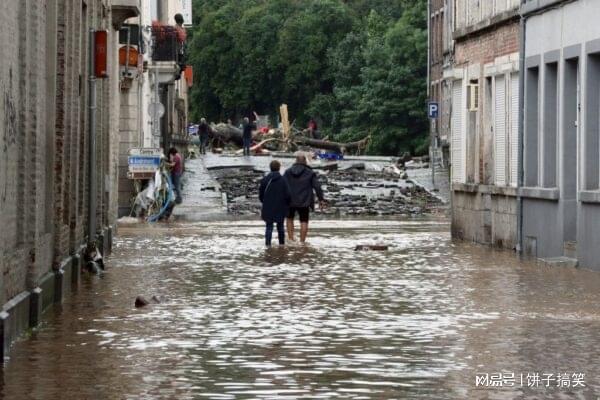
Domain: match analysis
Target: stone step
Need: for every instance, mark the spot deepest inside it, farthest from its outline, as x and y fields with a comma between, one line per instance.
x=570, y=249
x=560, y=262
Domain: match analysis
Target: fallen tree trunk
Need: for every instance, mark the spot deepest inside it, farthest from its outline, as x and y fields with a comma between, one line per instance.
x=225, y=133
x=342, y=148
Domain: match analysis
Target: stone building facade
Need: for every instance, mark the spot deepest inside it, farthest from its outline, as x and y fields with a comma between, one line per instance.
x=561, y=154
x=441, y=50
x=484, y=126
x=137, y=126
x=44, y=158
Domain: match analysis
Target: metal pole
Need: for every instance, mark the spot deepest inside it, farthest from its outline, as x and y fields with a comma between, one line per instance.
x=431, y=131
x=433, y=148
x=521, y=141
x=92, y=143
x=127, y=55
x=162, y=11
x=155, y=117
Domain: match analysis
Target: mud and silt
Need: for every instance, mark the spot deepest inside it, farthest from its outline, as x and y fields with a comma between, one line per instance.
x=349, y=192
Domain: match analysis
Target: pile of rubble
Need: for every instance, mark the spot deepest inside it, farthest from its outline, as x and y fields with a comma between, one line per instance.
x=350, y=192
x=241, y=188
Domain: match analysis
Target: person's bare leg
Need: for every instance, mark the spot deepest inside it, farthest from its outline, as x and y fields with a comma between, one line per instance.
x=303, y=231
x=290, y=228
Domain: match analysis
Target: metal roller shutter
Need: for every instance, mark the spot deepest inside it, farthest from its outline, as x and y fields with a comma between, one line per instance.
x=514, y=129
x=500, y=131
x=457, y=128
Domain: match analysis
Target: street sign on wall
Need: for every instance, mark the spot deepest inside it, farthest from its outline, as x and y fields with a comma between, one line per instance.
x=143, y=163
x=433, y=110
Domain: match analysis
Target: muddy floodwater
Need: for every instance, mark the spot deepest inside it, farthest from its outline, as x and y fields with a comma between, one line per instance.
x=420, y=321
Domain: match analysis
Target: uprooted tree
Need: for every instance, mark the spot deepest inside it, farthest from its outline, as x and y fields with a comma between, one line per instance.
x=276, y=140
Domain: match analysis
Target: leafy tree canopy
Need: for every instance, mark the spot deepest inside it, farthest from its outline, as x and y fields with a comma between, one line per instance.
x=357, y=66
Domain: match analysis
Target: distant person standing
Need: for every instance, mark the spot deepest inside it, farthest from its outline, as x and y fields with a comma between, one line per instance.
x=176, y=164
x=313, y=129
x=203, y=131
x=302, y=181
x=274, y=194
x=247, y=129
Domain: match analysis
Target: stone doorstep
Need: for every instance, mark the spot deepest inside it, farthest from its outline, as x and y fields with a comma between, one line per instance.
x=25, y=310
x=560, y=262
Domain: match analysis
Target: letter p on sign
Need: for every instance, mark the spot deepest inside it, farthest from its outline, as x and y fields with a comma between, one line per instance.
x=434, y=110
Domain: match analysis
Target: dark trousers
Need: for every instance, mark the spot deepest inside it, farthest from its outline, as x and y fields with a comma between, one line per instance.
x=269, y=233
x=203, y=143
x=247, y=143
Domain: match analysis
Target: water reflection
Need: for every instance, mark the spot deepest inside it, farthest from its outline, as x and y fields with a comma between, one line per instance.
x=319, y=321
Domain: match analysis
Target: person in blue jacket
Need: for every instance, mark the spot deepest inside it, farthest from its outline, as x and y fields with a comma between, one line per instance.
x=275, y=196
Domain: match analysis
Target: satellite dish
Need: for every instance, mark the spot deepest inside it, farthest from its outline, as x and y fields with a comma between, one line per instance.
x=156, y=108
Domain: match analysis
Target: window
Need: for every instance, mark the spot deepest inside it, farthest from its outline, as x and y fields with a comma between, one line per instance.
x=591, y=146
x=458, y=134
x=513, y=137
x=550, y=133
x=500, y=137
x=506, y=129
x=531, y=126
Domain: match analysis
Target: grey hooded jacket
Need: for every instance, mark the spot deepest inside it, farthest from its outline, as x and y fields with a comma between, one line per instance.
x=302, y=181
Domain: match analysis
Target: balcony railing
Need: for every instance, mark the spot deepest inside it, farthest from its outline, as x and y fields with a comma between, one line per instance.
x=168, y=44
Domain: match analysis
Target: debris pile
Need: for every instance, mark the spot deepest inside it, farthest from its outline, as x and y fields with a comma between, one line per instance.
x=350, y=192
x=241, y=188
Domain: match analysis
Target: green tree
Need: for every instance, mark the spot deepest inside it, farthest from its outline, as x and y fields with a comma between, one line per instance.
x=357, y=65
x=300, y=58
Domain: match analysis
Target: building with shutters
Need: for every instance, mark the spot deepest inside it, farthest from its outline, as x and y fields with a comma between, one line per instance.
x=484, y=121
x=561, y=139
x=157, y=78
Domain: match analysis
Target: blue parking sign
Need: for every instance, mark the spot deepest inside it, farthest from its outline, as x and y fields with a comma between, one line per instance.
x=434, y=109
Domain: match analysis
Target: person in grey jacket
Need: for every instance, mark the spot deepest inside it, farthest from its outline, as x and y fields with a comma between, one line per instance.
x=302, y=181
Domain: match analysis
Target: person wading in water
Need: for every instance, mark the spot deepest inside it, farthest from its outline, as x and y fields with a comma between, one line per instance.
x=302, y=181
x=274, y=194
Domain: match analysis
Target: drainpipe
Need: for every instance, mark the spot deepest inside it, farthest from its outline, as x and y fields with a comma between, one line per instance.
x=431, y=136
x=92, y=178
x=161, y=11
x=521, y=175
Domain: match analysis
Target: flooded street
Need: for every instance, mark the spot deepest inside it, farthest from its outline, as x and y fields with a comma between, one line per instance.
x=318, y=322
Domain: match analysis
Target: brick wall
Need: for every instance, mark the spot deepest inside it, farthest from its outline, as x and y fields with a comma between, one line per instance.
x=43, y=135
x=486, y=46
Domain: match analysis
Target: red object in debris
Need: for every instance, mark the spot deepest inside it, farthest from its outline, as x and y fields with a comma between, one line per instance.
x=189, y=75
x=264, y=130
x=101, y=54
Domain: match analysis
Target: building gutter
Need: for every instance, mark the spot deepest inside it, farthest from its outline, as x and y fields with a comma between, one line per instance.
x=521, y=136
x=532, y=7
x=92, y=178
x=429, y=58
x=428, y=46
